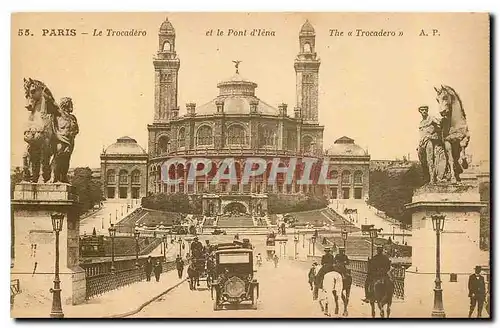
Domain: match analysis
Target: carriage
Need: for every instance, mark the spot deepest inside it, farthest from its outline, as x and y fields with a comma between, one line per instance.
x=234, y=280
x=270, y=246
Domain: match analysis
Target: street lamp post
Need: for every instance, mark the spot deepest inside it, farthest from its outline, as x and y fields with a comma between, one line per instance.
x=56, y=312
x=112, y=234
x=284, y=249
x=136, y=235
x=314, y=244
x=373, y=235
x=164, y=239
x=438, y=226
x=403, y=230
x=344, y=238
x=180, y=247
x=296, y=241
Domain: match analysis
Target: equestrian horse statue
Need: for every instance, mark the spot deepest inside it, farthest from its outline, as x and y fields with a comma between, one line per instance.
x=50, y=132
x=455, y=132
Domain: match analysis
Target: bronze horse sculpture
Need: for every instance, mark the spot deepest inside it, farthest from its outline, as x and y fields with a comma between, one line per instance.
x=455, y=132
x=50, y=133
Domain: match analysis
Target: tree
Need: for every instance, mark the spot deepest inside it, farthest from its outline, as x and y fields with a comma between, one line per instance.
x=391, y=190
x=89, y=191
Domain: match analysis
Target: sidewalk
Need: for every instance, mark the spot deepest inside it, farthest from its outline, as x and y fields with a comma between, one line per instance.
x=115, y=304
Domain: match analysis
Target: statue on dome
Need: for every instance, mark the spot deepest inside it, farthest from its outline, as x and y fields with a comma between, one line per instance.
x=236, y=65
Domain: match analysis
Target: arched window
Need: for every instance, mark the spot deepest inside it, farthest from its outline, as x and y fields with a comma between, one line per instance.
x=181, y=137
x=346, y=177
x=307, y=144
x=204, y=136
x=163, y=145
x=123, y=177
x=334, y=175
x=136, y=176
x=267, y=136
x=358, y=177
x=111, y=176
x=167, y=46
x=236, y=135
x=307, y=47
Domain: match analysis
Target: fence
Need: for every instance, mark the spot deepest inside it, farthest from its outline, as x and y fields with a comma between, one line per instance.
x=99, y=282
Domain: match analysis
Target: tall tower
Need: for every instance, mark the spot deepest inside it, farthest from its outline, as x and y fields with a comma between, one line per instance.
x=166, y=66
x=306, y=70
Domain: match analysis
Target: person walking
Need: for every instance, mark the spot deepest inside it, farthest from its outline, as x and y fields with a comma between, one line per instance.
x=477, y=291
x=312, y=275
x=275, y=259
x=179, y=264
x=158, y=270
x=148, y=268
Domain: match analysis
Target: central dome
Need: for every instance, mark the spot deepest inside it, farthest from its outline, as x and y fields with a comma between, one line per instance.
x=238, y=94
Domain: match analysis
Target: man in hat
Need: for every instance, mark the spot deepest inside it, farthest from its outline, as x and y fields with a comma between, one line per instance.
x=327, y=258
x=378, y=267
x=341, y=259
x=196, y=248
x=327, y=262
x=312, y=274
x=477, y=291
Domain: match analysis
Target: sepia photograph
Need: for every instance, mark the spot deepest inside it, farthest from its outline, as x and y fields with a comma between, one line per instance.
x=185, y=165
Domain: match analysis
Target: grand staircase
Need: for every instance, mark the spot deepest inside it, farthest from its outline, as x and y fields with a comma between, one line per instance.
x=240, y=221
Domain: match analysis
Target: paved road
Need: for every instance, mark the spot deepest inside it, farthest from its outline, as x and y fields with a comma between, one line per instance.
x=111, y=211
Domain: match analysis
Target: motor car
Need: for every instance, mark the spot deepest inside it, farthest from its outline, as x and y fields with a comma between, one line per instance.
x=233, y=277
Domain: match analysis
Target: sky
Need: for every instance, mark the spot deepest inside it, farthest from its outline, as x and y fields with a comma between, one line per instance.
x=369, y=87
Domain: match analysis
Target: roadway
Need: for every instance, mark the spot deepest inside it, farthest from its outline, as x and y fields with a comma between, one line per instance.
x=284, y=293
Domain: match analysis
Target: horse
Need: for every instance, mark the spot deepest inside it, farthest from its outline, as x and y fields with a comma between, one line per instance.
x=455, y=131
x=193, y=276
x=335, y=285
x=383, y=290
x=39, y=133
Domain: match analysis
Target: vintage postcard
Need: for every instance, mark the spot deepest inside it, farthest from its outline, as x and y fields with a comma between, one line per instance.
x=250, y=165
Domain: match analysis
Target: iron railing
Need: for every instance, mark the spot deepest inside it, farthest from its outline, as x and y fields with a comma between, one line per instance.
x=101, y=283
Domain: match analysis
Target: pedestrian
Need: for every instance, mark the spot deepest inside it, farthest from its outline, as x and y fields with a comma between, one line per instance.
x=148, y=268
x=179, y=264
x=477, y=291
x=276, y=259
x=158, y=270
x=312, y=275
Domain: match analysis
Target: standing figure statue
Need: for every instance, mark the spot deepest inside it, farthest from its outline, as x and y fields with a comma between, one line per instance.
x=65, y=131
x=50, y=134
x=455, y=131
x=430, y=148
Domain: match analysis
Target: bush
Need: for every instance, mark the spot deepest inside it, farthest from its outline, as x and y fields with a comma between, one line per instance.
x=281, y=203
x=177, y=202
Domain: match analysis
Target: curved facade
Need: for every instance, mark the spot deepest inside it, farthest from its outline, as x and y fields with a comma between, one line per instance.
x=237, y=124
x=124, y=170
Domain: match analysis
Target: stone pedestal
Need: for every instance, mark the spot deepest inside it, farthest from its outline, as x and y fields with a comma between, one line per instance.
x=459, y=252
x=34, y=241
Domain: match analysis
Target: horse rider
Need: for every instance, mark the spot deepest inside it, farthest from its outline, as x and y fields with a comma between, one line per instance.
x=207, y=248
x=196, y=248
x=327, y=265
x=341, y=260
x=378, y=267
